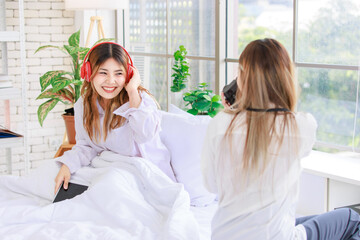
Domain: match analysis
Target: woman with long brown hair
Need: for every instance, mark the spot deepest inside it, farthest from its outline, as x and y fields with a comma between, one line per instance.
x=252, y=151
x=115, y=113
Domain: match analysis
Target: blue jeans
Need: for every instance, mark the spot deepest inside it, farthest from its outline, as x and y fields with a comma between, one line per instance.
x=340, y=224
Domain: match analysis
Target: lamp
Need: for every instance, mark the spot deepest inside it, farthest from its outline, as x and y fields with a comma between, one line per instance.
x=96, y=4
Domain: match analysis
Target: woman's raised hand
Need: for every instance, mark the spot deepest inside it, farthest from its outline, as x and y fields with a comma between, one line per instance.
x=224, y=102
x=134, y=82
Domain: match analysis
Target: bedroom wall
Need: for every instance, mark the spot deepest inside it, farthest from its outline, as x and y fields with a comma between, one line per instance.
x=46, y=22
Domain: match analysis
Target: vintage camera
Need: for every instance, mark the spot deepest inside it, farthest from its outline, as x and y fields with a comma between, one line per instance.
x=230, y=92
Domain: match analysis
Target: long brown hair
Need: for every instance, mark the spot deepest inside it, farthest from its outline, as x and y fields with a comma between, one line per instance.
x=91, y=119
x=265, y=80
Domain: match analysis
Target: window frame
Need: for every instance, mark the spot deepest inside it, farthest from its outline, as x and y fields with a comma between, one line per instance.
x=221, y=58
x=298, y=64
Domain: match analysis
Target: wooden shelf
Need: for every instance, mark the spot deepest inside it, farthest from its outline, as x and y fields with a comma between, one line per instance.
x=11, y=142
x=9, y=93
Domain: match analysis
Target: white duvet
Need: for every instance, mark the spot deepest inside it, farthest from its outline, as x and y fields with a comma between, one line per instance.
x=127, y=198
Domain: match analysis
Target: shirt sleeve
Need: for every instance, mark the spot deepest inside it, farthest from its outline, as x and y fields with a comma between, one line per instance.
x=144, y=121
x=208, y=161
x=308, y=131
x=82, y=153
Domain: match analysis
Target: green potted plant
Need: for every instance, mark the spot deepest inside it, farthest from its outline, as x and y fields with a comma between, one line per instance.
x=181, y=70
x=63, y=86
x=203, y=101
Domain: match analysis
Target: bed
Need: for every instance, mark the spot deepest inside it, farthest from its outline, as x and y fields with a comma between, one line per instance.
x=127, y=198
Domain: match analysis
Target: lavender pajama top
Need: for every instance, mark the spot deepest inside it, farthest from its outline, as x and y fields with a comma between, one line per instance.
x=138, y=137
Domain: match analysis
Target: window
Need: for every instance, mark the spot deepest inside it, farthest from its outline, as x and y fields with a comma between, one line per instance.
x=321, y=37
x=158, y=28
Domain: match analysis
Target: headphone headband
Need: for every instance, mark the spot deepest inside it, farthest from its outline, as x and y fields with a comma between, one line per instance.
x=88, y=53
x=86, y=67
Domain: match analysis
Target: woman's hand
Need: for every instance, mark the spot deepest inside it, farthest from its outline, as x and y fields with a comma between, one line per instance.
x=132, y=89
x=63, y=176
x=134, y=82
x=224, y=102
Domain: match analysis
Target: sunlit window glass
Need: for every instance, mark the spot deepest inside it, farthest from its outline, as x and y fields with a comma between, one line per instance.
x=329, y=31
x=250, y=20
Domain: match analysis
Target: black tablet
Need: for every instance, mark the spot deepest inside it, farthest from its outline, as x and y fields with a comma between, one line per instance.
x=73, y=190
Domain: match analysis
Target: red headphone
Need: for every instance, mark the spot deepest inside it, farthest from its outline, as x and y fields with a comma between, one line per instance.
x=86, y=67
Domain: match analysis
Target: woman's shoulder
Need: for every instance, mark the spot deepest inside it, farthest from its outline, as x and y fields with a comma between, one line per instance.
x=227, y=116
x=79, y=103
x=306, y=120
x=306, y=124
x=223, y=119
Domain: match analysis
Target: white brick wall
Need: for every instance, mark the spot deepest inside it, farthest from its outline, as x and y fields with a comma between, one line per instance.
x=46, y=22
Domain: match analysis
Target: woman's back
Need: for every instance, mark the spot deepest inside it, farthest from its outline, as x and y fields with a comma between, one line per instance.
x=250, y=206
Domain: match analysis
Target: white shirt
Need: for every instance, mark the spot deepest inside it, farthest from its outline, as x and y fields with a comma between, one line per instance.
x=261, y=208
x=138, y=137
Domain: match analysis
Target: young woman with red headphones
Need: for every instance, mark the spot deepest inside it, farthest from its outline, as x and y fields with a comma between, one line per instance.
x=114, y=113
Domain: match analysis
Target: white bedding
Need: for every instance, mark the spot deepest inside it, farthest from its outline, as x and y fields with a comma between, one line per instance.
x=203, y=217
x=128, y=198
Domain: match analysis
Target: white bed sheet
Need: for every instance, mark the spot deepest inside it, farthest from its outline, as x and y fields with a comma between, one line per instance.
x=128, y=198
x=203, y=216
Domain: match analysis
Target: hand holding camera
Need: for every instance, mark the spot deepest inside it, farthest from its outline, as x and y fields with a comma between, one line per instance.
x=229, y=92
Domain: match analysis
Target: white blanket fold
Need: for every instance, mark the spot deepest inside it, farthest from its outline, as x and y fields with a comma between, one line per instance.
x=127, y=198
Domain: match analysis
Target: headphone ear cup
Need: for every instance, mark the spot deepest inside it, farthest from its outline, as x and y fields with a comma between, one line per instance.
x=82, y=71
x=130, y=73
x=86, y=71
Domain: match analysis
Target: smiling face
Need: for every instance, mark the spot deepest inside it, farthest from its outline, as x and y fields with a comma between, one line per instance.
x=109, y=80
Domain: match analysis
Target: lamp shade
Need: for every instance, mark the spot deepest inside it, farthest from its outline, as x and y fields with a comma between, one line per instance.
x=96, y=4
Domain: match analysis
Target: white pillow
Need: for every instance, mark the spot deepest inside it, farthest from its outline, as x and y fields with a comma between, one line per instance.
x=183, y=134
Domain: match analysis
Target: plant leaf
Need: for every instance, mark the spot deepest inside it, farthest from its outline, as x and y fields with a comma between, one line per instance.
x=50, y=46
x=46, y=79
x=82, y=51
x=73, y=51
x=207, y=97
x=193, y=111
x=45, y=108
x=216, y=98
x=60, y=83
x=175, y=89
x=202, y=105
x=177, y=55
x=77, y=82
x=182, y=86
x=217, y=105
x=63, y=95
x=213, y=113
x=74, y=39
x=189, y=98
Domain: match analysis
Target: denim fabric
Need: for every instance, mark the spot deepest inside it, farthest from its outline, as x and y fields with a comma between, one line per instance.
x=340, y=224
